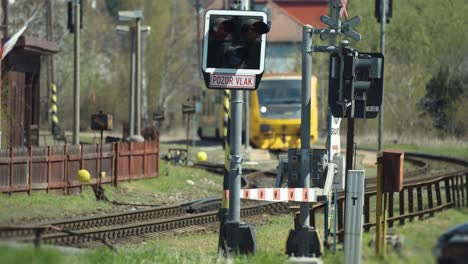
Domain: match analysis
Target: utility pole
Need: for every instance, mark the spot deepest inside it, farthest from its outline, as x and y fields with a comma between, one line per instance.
x=138, y=76
x=3, y=12
x=304, y=217
x=383, y=21
x=76, y=76
x=131, y=101
x=50, y=59
x=197, y=14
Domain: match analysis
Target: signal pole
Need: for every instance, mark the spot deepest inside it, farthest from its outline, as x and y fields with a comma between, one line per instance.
x=76, y=83
x=50, y=59
x=138, y=76
x=235, y=158
x=383, y=21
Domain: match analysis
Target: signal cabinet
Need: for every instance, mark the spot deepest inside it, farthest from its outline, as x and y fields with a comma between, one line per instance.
x=317, y=161
x=392, y=170
x=101, y=121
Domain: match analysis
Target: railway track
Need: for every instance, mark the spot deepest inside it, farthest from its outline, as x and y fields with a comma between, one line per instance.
x=114, y=228
x=202, y=215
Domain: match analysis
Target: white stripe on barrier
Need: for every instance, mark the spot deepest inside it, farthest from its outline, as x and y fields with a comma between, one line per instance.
x=280, y=194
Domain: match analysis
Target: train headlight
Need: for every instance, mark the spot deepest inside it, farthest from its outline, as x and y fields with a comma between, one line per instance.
x=263, y=109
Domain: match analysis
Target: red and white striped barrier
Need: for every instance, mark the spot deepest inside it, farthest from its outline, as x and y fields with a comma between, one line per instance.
x=280, y=194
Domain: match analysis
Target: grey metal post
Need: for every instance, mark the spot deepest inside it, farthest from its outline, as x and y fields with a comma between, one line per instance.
x=246, y=6
x=131, y=101
x=247, y=125
x=235, y=172
x=305, y=119
x=383, y=21
x=235, y=156
x=353, y=216
x=334, y=7
x=138, y=76
x=76, y=82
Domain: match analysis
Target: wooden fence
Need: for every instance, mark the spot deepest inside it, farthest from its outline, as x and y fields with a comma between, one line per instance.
x=54, y=168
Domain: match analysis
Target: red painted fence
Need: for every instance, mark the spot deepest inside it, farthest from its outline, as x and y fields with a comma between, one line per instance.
x=54, y=168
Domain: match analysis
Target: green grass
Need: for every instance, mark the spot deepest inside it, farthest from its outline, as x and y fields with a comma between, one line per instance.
x=419, y=239
x=175, y=184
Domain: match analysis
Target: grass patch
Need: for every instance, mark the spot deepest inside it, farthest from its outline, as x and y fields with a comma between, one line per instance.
x=419, y=239
x=174, y=185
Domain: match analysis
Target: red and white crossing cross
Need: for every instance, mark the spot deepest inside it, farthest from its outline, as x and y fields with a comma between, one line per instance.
x=343, y=10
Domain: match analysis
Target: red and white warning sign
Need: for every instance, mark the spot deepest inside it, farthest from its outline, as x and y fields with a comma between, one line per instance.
x=280, y=194
x=232, y=81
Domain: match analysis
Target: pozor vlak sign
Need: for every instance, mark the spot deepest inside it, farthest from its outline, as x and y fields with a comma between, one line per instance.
x=234, y=48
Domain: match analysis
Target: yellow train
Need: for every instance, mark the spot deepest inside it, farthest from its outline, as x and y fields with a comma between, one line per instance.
x=275, y=113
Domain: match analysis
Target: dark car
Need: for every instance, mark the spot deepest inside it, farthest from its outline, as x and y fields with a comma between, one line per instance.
x=452, y=246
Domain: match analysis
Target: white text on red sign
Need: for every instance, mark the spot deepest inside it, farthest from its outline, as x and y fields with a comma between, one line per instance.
x=229, y=81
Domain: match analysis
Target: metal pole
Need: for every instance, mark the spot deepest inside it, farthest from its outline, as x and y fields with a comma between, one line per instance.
x=50, y=66
x=334, y=7
x=4, y=23
x=246, y=6
x=383, y=21
x=76, y=83
x=247, y=125
x=197, y=15
x=138, y=76
x=235, y=156
x=131, y=107
x=305, y=119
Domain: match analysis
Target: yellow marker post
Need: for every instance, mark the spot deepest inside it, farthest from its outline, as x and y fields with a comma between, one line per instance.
x=378, y=212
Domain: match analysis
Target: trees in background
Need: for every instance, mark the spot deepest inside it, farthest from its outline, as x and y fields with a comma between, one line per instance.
x=425, y=60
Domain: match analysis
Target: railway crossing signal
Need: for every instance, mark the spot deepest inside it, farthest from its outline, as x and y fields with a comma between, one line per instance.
x=356, y=84
x=234, y=48
x=378, y=10
x=158, y=115
x=188, y=108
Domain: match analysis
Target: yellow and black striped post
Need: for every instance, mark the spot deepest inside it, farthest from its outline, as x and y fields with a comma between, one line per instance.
x=222, y=245
x=53, y=109
x=56, y=131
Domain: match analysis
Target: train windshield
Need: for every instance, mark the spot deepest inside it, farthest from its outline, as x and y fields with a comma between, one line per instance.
x=280, y=98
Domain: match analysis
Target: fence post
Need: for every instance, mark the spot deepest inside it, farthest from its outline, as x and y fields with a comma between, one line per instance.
x=11, y=171
x=402, y=205
x=81, y=164
x=420, y=203
x=340, y=217
x=410, y=202
x=158, y=151
x=457, y=183
x=30, y=170
x=48, y=169
x=429, y=198
x=448, y=197
x=462, y=190
x=466, y=187
x=117, y=162
x=144, y=159
x=438, y=197
x=65, y=169
x=390, y=208
x=130, y=166
x=366, y=211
